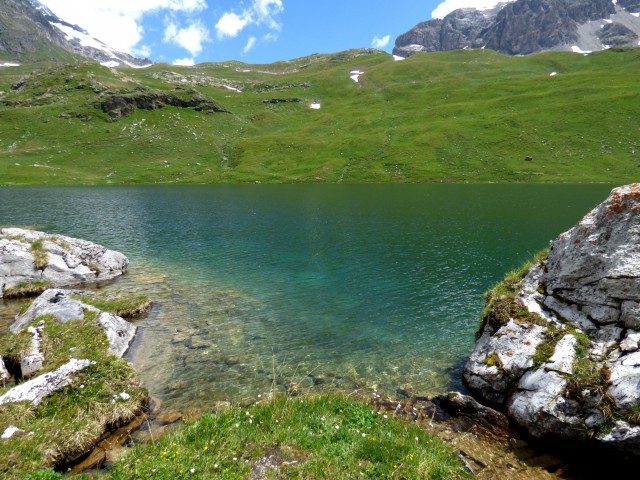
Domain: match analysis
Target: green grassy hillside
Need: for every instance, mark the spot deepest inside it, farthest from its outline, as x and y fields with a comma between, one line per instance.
x=470, y=115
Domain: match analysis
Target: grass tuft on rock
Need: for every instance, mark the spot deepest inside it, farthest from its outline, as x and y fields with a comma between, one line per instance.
x=500, y=300
x=311, y=438
x=40, y=257
x=27, y=289
x=129, y=305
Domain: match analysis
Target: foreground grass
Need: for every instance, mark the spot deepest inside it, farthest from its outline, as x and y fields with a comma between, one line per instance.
x=319, y=438
x=471, y=115
x=72, y=419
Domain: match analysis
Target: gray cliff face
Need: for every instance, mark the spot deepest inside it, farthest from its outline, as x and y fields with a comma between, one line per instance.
x=30, y=31
x=565, y=361
x=523, y=27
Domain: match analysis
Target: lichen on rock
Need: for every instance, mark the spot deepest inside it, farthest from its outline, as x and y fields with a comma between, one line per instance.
x=574, y=372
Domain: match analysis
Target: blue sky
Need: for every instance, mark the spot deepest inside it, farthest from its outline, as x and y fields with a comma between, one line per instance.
x=252, y=31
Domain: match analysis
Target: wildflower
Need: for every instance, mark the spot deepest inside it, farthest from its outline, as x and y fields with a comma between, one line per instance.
x=364, y=434
x=337, y=427
x=215, y=465
x=193, y=470
x=385, y=416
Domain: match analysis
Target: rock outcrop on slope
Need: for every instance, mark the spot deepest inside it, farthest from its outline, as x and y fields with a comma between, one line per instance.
x=522, y=27
x=39, y=260
x=559, y=351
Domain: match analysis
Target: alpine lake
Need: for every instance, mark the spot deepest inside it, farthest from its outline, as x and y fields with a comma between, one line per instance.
x=304, y=288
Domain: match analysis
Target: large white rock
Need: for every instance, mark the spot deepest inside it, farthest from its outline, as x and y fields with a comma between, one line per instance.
x=501, y=357
x=60, y=304
x=596, y=264
x=588, y=285
x=70, y=261
x=37, y=389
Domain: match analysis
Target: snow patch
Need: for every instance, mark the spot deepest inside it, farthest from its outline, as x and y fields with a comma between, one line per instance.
x=553, y=74
x=132, y=65
x=110, y=64
x=637, y=15
x=606, y=20
x=84, y=39
x=315, y=106
x=397, y=58
x=577, y=49
x=9, y=64
x=355, y=75
x=233, y=89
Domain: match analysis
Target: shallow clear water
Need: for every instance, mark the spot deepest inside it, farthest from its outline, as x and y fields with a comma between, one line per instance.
x=319, y=286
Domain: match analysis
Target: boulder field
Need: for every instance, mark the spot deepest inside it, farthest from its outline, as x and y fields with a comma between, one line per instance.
x=559, y=347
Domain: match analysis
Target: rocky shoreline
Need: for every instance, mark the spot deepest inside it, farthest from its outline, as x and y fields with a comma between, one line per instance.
x=557, y=355
x=64, y=382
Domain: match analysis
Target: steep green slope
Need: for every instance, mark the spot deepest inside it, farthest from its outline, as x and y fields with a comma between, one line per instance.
x=471, y=115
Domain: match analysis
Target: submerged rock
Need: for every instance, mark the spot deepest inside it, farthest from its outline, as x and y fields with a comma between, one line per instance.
x=564, y=362
x=32, y=261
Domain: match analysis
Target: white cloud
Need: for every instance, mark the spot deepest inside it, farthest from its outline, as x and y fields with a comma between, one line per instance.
x=185, y=62
x=190, y=38
x=380, y=42
x=261, y=12
x=117, y=22
x=449, y=6
x=230, y=24
x=250, y=44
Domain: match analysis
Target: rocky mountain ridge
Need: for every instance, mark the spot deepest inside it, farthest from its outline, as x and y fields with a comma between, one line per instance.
x=522, y=27
x=30, y=31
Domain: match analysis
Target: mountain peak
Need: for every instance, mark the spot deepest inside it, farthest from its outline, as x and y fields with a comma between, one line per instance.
x=29, y=31
x=522, y=27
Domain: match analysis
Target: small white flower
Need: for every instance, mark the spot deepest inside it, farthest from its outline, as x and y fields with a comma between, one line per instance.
x=235, y=459
x=364, y=434
x=215, y=465
x=193, y=470
x=385, y=416
x=337, y=427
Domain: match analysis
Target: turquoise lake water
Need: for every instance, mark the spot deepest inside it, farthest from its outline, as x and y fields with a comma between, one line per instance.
x=305, y=287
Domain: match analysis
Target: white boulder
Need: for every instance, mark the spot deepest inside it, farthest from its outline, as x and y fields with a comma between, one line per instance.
x=67, y=261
